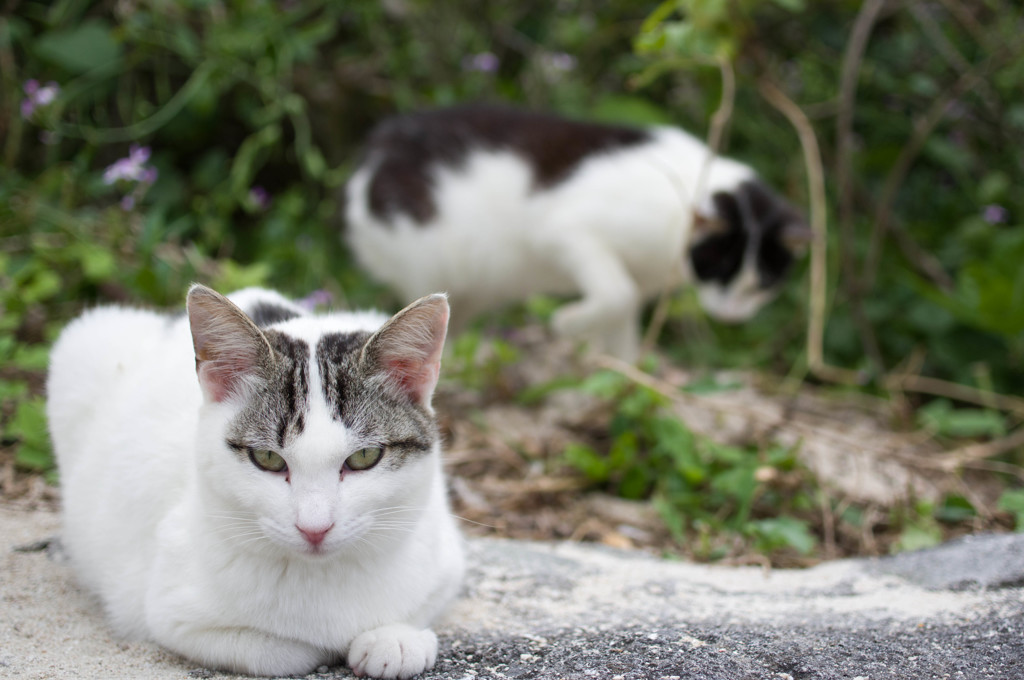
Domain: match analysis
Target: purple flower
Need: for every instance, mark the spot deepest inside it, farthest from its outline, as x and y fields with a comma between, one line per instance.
x=259, y=197
x=316, y=299
x=133, y=172
x=485, y=62
x=995, y=214
x=560, y=61
x=38, y=96
x=133, y=168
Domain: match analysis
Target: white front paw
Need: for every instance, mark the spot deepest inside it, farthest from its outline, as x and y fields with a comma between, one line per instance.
x=397, y=651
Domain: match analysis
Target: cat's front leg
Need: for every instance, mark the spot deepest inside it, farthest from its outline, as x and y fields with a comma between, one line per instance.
x=241, y=650
x=608, y=313
x=395, y=651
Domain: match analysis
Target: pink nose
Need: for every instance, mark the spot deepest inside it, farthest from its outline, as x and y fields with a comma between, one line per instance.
x=314, y=536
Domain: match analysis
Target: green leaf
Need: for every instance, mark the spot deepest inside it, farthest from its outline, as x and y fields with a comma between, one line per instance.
x=43, y=285
x=918, y=536
x=940, y=417
x=234, y=276
x=98, y=263
x=12, y=389
x=779, y=532
x=587, y=461
x=28, y=425
x=1012, y=501
x=630, y=110
x=79, y=49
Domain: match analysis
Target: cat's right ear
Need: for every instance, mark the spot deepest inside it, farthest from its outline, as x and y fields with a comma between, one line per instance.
x=407, y=349
x=230, y=349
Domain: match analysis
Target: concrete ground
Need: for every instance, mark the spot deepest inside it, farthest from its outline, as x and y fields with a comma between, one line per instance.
x=535, y=610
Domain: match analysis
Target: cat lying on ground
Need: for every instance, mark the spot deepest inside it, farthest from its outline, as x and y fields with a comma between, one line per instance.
x=494, y=205
x=285, y=510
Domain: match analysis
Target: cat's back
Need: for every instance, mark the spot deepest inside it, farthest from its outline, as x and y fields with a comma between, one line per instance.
x=405, y=154
x=96, y=357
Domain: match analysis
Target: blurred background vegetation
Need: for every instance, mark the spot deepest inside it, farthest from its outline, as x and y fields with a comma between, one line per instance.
x=149, y=143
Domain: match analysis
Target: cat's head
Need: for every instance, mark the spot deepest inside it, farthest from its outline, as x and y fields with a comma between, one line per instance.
x=742, y=247
x=316, y=435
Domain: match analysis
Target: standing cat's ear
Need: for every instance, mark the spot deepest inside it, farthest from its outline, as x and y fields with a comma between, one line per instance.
x=797, y=236
x=230, y=349
x=407, y=349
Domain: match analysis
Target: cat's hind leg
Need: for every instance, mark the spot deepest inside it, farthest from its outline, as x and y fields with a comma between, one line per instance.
x=608, y=313
x=396, y=651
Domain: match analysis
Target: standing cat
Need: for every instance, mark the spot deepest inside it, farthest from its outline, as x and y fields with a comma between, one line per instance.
x=284, y=510
x=494, y=205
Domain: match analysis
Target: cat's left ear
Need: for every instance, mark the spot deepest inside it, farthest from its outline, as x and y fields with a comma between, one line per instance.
x=230, y=350
x=407, y=349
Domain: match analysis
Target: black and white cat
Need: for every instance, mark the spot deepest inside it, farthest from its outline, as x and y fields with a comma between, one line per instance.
x=494, y=205
x=286, y=509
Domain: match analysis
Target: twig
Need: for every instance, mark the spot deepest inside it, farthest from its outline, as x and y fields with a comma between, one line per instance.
x=926, y=263
x=819, y=284
x=943, y=388
x=715, y=132
x=964, y=16
x=828, y=525
x=957, y=457
x=853, y=55
x=950, y=53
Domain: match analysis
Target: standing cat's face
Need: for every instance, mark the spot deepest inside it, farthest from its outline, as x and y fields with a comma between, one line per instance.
x=312, y=441
x=741, y=254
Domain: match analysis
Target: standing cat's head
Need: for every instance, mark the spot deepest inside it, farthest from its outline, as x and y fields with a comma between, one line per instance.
x=741, y=252
x=316, y=435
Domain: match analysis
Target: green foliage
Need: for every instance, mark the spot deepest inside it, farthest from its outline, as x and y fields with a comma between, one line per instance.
x=1012, y=501
x=941, y=418
x=476, y=362
x=919, y=528
x=699, y=487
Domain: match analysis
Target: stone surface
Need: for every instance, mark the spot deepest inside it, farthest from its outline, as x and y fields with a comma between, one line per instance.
x=573, y=611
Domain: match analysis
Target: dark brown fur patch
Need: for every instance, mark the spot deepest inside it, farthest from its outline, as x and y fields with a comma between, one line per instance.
x=266, y=314
x=750, y=213
x=407, y=148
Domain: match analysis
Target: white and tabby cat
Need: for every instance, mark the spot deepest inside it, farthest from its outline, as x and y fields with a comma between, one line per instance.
x=285, y=510
x=494, y=205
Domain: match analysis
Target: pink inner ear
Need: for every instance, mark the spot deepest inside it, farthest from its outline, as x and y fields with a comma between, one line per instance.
x=221, y=378
x=416, y=379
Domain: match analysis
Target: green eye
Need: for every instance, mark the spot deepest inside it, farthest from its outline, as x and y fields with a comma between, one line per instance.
x=267, y=460
x=364, y=459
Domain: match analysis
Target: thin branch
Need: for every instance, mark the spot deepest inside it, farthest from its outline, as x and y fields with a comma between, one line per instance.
x=950, y=53
x=984, y=450
x=853, y=56
x=715, y=133
x=819, y=284
x=925, y=262
x=943, y=388
x=966, y=19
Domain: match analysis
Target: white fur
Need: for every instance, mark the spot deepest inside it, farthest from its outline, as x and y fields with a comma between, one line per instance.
x=190, y=546
x=614, y=232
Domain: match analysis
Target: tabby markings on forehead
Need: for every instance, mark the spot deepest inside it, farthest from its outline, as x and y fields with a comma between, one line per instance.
x=363, y=405
x=276, y=412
